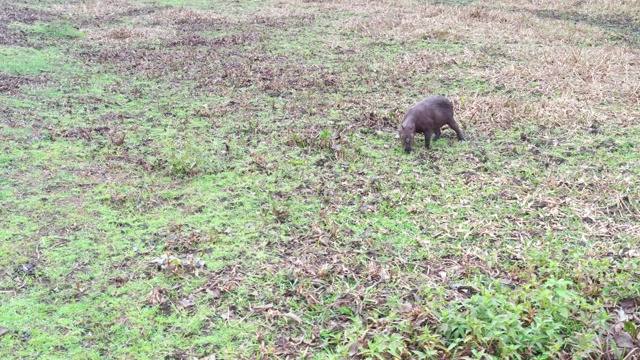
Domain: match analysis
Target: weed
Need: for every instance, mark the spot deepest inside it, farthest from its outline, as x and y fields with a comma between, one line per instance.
x=516, y=328
x=185, y=157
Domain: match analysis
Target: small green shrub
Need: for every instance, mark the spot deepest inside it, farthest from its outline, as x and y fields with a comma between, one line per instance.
x=540, y=323
x=185, y=157
x=384, y=345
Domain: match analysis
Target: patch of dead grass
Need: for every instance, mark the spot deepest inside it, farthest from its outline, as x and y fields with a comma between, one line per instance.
x=15, y=13
x=11, y=84
x=187, y=19
x=127, y=35
x=406, y=20
x=94, y=9
x=552, y=84
x=596, y=7
x=10, y=14
x=587, y=74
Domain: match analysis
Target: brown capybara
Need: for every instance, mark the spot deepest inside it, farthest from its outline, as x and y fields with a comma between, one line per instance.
x=427, y=117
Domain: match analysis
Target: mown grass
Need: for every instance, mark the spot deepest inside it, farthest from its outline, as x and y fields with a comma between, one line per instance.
x=260, y=138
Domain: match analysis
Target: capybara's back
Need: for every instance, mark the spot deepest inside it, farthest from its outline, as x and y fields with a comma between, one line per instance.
x=427, y=117
x=433, y=112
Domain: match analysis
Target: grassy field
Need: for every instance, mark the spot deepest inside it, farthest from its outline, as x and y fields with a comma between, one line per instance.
x=188, y=179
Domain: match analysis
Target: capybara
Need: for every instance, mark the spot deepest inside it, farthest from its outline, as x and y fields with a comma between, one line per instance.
x=427, y=117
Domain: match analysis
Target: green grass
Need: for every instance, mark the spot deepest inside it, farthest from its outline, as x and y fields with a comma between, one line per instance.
x=260, y=138
x=57, y=29
x=26, y=61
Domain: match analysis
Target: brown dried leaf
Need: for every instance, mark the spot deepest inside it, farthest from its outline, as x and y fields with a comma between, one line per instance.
x=227, y=315
x=507, y=282
x=633, y=253
x=262, y=307
x=384, y=274
x=623, y=340
x=117, y=139
x=345, y=299
x=622, y=316
x=157, y=296
x=354, y=348
x=187, y=302
x=3, y=331
x=293, y=316
x=628, y=305
x=215, y=293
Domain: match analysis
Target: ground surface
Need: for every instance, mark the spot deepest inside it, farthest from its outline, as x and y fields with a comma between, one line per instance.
x=259, y=137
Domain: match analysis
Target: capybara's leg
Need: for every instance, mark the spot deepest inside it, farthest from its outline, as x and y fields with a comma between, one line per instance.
x=437, y=136
x=427, y=138
x=455, y=128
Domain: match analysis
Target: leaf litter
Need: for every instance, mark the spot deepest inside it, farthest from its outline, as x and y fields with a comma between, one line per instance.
x=175, y=265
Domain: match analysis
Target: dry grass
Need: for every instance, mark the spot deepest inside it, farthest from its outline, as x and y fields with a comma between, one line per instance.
x=406, y=20
x=126, y=35
x=592, y=74
x=171, y=17
x=560, y=69
x=95, y=9
x=589, y=7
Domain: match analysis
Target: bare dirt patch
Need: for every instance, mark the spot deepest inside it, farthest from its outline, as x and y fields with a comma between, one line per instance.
x=15, y=13
x=10, y=84
x=11, y=13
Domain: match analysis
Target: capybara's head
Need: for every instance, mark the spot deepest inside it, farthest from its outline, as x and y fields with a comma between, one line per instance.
x=407, y=135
